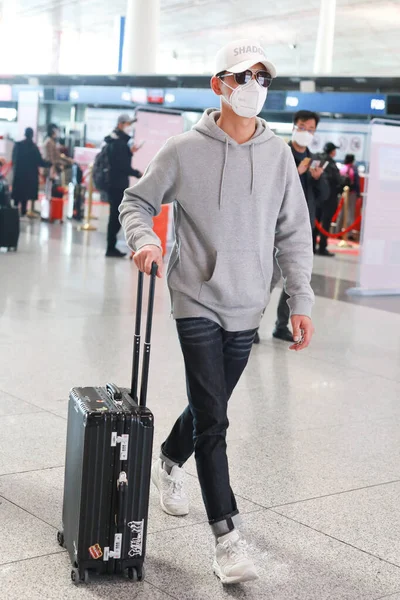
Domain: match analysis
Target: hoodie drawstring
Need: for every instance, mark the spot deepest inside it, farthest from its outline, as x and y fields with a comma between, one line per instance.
x=253, y=171
x=223, y=173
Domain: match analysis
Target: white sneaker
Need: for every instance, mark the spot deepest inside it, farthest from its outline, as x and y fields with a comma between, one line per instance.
x=173, y=498
x=232, y=563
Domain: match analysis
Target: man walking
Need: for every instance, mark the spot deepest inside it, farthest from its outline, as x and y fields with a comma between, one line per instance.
x=238, y=201
x=326, y=211
x=316, y=191
x=120, y=160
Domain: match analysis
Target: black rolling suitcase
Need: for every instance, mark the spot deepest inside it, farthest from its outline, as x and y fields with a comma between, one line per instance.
x=107, y=471
x=9, y=227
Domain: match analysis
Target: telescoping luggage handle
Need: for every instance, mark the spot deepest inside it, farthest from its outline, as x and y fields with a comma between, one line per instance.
x=147, y=340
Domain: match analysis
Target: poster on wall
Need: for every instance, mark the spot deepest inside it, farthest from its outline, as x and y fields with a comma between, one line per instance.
x=100, y=122
x=152, y=130
x=379, y=269
x=28, y=112
x=350, y=139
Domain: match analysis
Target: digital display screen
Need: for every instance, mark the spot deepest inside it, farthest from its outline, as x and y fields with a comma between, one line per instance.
x=155, y=96
x=62, y=94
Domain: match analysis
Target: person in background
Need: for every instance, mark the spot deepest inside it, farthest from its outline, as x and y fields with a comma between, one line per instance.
x=120, y=152
x=26, y=161
x=316, y=190
x=237, y=197
x=53, y=154
x=350, y=178
x=326, y=210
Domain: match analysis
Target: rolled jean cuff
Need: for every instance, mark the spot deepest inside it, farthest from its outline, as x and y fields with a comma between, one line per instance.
x=169, y=461
x=226, y=524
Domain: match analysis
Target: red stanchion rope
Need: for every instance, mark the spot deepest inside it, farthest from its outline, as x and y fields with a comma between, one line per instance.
x=338, y=210
x=339, y=234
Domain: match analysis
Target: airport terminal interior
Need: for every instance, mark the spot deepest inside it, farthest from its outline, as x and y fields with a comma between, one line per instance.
x=313, y=442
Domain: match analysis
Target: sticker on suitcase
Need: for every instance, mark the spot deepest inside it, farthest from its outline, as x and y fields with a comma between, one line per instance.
x=95, y=551
x=136, y=545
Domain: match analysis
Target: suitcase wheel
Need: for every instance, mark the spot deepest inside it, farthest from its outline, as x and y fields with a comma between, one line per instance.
x=132, y=574
x=60, y=538
x=75, y=577
x=135, y=574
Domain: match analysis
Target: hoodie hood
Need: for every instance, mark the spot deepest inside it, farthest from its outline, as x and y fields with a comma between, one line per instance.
x=208, y=126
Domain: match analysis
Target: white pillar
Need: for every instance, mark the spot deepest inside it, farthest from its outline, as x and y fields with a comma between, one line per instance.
x=56, y=38
x=325, y=38
x=141, y=37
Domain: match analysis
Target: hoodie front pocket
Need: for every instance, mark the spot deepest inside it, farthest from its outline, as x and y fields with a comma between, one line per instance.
x=237, y=283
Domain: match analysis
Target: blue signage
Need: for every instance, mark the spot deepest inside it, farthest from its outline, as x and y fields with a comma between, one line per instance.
x=337, y=102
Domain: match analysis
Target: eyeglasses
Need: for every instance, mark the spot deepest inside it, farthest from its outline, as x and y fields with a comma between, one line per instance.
x=303, y=128
x=263, y=78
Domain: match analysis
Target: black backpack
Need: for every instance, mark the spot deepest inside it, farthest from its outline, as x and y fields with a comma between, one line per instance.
x=101, y=170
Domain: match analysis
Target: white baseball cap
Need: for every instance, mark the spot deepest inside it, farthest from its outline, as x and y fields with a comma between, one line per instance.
x=240, y=55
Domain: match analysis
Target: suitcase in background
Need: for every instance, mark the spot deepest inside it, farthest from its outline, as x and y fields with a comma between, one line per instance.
x=45, y=202
x=9, y=227
x=107, y=471
x=52, y=204
x=56, y=209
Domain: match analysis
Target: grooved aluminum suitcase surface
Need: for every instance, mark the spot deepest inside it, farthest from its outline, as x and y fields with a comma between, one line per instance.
x=107, y=481
x=9, y=227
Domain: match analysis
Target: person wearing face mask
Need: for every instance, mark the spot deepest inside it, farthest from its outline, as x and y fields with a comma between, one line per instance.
x=120, y=161
x=316, y=190
x=238, y=202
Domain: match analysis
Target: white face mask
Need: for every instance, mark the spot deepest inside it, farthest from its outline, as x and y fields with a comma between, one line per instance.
x=128, y=130
x=247, y=100
x=302, y=138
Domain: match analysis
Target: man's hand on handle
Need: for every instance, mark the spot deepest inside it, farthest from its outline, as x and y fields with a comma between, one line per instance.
x=145, y=257
x=303, y=331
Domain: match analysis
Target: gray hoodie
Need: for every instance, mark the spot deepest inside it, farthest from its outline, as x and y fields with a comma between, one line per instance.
x=236, y=206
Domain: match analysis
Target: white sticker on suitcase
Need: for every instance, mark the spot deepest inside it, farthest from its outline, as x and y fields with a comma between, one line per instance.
x=124, y=441
x=124, y=446
x=117, y=545
x=136, y=545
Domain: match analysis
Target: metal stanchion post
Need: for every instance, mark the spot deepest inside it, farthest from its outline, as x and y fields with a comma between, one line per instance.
x=88, y=226
x=345, y=243
x=92, y=217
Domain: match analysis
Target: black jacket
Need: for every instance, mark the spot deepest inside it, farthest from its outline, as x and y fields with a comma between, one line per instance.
x=333, y=176
x=120, y=158
x=316, y=191
x=26, y=160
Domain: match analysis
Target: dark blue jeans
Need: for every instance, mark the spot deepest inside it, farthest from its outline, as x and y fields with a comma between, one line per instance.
x=214, y=361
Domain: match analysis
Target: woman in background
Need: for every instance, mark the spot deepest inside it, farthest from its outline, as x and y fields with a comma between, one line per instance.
x=26, y=160
x=350, y=178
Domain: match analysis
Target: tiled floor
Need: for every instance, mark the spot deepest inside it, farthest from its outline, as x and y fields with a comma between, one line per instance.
x=314, y=442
